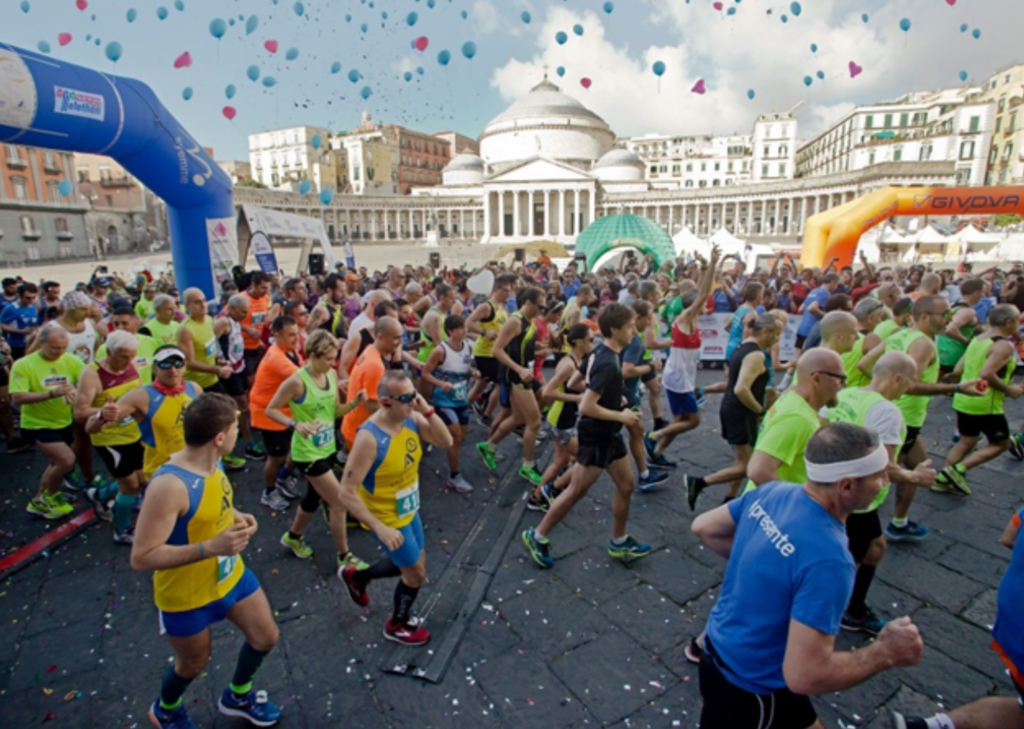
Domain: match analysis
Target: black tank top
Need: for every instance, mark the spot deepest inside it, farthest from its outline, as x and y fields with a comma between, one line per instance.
x=760, y=386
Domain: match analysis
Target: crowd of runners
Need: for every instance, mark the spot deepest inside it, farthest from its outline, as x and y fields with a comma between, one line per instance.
x=338, y=385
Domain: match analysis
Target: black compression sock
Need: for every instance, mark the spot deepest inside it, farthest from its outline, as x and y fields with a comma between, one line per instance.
x=405, y=596
x=249, y=661
x=861, y=584
x=378, y=570
x=172, y=689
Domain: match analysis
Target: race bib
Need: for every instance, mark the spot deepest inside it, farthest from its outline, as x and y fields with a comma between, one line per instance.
x=258, y=317
x=226, y=567
x=324, y=436
x=408, y=500
x=211, y=348
x=237, y=350
x=460, y=391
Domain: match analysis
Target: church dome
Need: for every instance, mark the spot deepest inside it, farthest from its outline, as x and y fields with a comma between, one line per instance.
x=546, y=122
x=464, y=169
x=619, y=165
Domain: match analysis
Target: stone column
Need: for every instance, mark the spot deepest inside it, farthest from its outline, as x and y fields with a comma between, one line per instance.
x=529, y=214
x=547, y=213
x=670, y=211
x=516, y=222
x=593, y=206
x=487, y=214
x=561, y=213
x=576, y=212
x=501, y=213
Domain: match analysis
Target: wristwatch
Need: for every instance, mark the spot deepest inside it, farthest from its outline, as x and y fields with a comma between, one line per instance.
x=292, y=423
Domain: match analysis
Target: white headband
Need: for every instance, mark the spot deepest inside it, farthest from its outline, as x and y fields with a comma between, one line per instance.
x=870, y=464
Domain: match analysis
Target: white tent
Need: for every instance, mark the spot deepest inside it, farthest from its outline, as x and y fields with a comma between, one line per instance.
x=930, y=236
x=890, y=236
x=730, y=244
x=972, y=236
x=686, y=241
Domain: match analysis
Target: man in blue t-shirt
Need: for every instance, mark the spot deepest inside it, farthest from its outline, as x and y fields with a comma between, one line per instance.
x=20, y=319
x=994, y=712
x=770, y=639
x=814, y=307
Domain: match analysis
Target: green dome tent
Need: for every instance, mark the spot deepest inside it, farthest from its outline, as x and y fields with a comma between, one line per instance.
x=625, y=231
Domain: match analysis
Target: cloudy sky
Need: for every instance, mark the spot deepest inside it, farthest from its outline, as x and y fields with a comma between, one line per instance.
x=738, y=48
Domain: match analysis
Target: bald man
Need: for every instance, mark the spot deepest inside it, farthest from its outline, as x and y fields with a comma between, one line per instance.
x=874, y=407
x=930, y=285
x=793, y=419
x=839, y=335
x=198, y=339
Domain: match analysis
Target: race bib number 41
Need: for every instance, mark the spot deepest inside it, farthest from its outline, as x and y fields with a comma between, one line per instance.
x=408, y=500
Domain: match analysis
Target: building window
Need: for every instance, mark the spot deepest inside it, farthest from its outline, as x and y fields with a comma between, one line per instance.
x=61, y=225
x=689, y=183
x=654, y=169
x=999, y=124
x=20, y=189
x=714, y=183
x=12, y=153
x=897, y=155
x=703, y=183
x=966, y=150
x=1013, y=123
x=975, y=123
x=1002, y=105
x=355, y=174
x=689, y=167
x=83, y=174
x=764, y=170
x=871, y=158
x=104, y=173
x=28, y=226
x=663, y=168
x=718, y=166
x=869, y=121
x=782, y=170
x=767, y=151
x=993, y=154
x=926, y=153
x=888, y=121
x=1007, y=151
x=675, y=170
x=54, y=189
x=904, y=119
x=703, y=166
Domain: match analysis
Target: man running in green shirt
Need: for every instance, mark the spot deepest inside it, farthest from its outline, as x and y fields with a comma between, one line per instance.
x=43, y=386
x=146, y=308
x=952, y=343
x=125, y=318
x=162, y=327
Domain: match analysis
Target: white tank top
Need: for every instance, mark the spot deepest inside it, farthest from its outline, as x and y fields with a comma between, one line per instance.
x=236, y=346
x=82, y=344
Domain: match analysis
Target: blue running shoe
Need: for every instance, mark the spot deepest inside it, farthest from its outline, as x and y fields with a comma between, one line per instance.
x=540, y=551
x=912, y=532
x=652, y=480
x=170, y=719
x=629, y=548
x=255, y=707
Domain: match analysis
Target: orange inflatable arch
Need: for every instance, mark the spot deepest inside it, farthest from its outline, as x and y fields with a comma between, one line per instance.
x=836, y=232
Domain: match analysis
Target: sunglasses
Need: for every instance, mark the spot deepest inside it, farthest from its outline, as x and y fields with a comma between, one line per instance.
x=178, y=364
x=404, y=399
x=841, y=378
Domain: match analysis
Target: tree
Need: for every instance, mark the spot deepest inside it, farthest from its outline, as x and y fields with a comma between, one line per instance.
x=247, y=182
x=1007, y=219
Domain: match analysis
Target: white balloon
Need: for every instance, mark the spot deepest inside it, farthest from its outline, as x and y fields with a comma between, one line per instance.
x=482, y=283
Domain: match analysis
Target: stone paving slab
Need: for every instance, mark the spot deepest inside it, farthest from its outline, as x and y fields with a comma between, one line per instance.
x=555, y=648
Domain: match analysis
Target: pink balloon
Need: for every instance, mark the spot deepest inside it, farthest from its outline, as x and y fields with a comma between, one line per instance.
x=585, y=82
x=716, y=5
x=422, y=42
x=183, y=61
x=855, y=70
x=951, y=3
x=229, y=112
x=81, y=4
x=699, y=88
x=271, y=45
x=64, y=38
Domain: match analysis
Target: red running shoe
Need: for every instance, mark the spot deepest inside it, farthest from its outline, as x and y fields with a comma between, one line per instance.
x=355, y=591
x=411, y=634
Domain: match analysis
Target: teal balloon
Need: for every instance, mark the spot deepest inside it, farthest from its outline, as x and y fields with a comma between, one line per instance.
x=299, y=8
x=230, y=91
x=364, y=27
x=114, y=51
x=384, y=15
x=336, y=67
x=348, y=18
x=25, y=6
x=407, y=75
x=218, y=28
x=444, y=57
x=808, y=80
x=231, y=22
x=820, y=75
x=525, y=16
x=609, y=7
x=795, y=8
x=430, y=3
x=784, y=18
x=292, y=54
x=186, y=93
x=814, y=47
x=98, y=41
x=43, y=47
x=315, y=141
x=353, y=75
x=963, y=28
x=469, y=49
x=864, y=17
x=253, y=72
x=305, y=186
x=366, y=92
x=419, y=70
x=269, y=82
x=132, y=15
x=88, y=37
x=658, y=68
x=560, y=70
x=905, y=24
x=327, y=196
x=751, y=94
x=577, y=29
x=730, y=11
x=161, y=13
x=65, y=188
x=976, y=33
x=179, y=5
x=252, y=24
x=411, y=19
x=963, y=75
x=561, y=37
x=464, y=14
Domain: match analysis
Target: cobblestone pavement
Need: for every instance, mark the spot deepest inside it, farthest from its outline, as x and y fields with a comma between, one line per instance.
x=592, y=642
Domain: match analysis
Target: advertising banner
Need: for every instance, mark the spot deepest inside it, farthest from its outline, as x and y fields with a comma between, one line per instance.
x=265, y=224
x=264, y=252
x=714, y=337
x=222, y=236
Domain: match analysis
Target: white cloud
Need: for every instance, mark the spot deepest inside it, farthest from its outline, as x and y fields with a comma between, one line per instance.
x=754, y=50
x=485, y=16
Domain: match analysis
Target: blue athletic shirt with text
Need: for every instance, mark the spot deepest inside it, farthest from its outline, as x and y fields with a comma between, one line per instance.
x=1009, y=627
x=789, y=560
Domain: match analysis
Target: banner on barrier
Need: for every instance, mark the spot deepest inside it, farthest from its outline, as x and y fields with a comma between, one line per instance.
x=264, y=252
x=222, y=235
x=265, y=224
x=715, y=338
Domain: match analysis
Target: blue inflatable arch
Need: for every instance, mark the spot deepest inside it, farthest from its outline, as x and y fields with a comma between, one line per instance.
x=47, y=103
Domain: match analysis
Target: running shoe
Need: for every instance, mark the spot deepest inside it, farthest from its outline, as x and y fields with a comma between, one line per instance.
x=254, y=707
x=943, y=485
x=693, y=488
x=537, y=502
x=550, y=493
x=288, y=487
x=298, y=546
x=18, y=446
x=912, y=532
x=531, y=474
x=652, y=480
x=274, y=500
x=870, y=623
x=351, y=560
x=254, y=452
x=629, y=548
x=908, y=722
x=125, y=538
x=170, y=718
x=650, y=445
x=44, y=508
x=1017, y=446
x=75, y=481
x=654, y=460
x=540, y=551
x=460, y=484
x=409, y=634
x=957, y=476
x=487, y=453
x=956, y=437
x=232, y=463
x=693, y=651
x=103, y=511
x=356, y=591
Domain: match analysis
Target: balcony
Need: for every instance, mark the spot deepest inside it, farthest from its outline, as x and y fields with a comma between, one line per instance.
x=117, y=182
x=16, y=163
x=64, y=235
x=32, y=234
x=51, y=167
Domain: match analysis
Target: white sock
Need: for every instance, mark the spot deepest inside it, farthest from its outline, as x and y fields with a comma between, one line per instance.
x=528, y=464
x=645, y=474
x=620, y=540
x=940, y=721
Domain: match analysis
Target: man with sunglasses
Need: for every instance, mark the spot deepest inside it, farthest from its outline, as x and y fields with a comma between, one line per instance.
x=380, y=488
x=158, y=408
x=930, y=315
